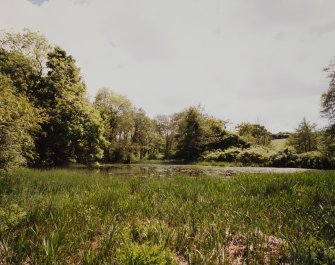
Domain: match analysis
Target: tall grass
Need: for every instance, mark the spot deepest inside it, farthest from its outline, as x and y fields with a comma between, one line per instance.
x=77, y=217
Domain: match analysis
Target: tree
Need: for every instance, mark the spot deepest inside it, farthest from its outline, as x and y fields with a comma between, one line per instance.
x=327, y=139
x=254, y=133
x=118, y=114
x=144, y=137
x=74, y=129
x=23, y=57
x=19, y=121
x=166, y=131
x=51, y=82
x=328, y=98
x=191, y=134
x=304, y=139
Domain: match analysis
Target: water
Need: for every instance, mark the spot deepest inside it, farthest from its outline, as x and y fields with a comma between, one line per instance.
x=190, y=170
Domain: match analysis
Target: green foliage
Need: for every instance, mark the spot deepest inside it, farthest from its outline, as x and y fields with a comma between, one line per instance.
x=288, y=158
x=11, y=216
x=315, y=160
x=89, y=218
x=144, y=138
x=278, y=144
x=251, y=156
x=191, y=133
x=254, y=155
x=23, y=58
x=261, y=156
x=327, y=142
x=198, y=133
x=19, y=121
x=145, y=244
x=73, y=132
x=146, y=254
x=228, y=155
x=285, y=158
x=165, y=128
x=305, y=137
x=46, y=80
x=131, y=134
x=254, y=133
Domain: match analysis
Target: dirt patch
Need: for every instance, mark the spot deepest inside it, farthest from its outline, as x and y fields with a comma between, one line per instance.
x=237, y=248
x=180, y=260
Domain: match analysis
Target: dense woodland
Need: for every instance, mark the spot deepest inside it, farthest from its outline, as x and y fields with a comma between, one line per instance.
x=47, y=120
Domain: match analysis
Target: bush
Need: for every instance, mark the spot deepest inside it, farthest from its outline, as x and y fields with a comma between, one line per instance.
x=228, y=155
x=315, y=160
x=263, y=156
x=255, y=155
x=288, y=158
x=285, y=158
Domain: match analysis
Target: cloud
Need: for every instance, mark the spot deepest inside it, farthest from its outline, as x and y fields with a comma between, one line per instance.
x=323, y=29
x=242, y=60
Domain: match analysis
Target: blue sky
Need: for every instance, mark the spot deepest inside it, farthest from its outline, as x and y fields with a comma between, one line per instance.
x=258, y=61
x=37, y=2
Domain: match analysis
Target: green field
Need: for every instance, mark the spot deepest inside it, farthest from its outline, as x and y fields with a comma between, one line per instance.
x=278, y=144
x=73, y=217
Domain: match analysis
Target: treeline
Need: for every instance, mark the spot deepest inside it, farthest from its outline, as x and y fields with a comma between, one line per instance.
x=46, y=119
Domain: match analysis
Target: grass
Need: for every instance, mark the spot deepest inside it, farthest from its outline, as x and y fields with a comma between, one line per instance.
x=76, y=217
x=278, y=144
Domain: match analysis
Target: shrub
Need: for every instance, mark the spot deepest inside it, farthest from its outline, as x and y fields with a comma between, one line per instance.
x=228, y=155
x=255, y=155
x=315, y=160
x=285, y=158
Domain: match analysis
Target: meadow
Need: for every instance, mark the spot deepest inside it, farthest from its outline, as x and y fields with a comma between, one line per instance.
x=79, y=217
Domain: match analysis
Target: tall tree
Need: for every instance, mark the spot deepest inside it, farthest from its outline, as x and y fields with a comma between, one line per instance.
x=191, y=134
x=118, y=115
x=144, y=137
x=327, y=139
x=328, y=98
x=166, y=131
x=73, y=132
x=304, y=139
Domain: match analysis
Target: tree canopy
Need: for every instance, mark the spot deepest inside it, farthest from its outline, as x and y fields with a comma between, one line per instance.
x=254, y=133
x=47, y=79
x=304, y=139
x=46, y=118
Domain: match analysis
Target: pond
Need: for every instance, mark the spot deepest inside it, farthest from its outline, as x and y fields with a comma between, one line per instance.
x=191, y=170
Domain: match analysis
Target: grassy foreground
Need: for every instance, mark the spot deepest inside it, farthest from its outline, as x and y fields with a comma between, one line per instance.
x=72, y=217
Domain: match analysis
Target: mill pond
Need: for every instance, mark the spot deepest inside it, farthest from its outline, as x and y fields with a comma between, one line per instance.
x=190, y=170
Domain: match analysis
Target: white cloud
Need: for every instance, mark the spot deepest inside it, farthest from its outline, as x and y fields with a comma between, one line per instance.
x=243, y=60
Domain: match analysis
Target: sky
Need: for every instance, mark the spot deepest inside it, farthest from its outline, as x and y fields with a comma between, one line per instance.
x=259, y=61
